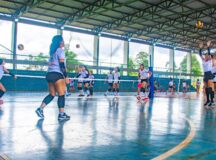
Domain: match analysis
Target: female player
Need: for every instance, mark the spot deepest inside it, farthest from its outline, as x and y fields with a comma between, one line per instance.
x=80, y=82
x=72, y=82
x=109, y=80
x=198, y=86
x=91, y=83
x=214, y=70
x=184, y=87
x=116, y=81
x=56, y=78
x=208, y=77
x=143, y=76
x=171, y=86
x=139, y=86
x=3, y=70
x=85, y=75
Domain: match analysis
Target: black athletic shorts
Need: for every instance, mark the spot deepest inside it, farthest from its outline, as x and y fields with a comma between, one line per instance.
x=171, y=87
x=53, y=77
x=208, y=76
x=110, y=84
x=144, y=80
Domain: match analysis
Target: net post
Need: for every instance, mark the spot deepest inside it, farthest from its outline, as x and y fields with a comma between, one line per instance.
x=151, y=84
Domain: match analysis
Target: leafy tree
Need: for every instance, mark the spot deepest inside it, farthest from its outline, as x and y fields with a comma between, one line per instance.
x=196, y=68
x=142, y=58
x=39, y=58
x=71, y=60
x=131, y=66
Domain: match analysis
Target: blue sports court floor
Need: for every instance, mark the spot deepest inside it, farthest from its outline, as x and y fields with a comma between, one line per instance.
x=106, y=128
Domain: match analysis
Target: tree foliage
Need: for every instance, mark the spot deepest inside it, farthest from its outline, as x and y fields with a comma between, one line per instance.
x=71, y=60
x=195, y=69
x=141, y=58
x=39, y=58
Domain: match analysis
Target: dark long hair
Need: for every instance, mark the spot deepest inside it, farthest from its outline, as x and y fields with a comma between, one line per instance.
x=56, y=41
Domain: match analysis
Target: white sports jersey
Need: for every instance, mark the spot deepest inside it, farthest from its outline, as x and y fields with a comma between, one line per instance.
x=171, y=83
x=72, y=82
x=207, y=65
x=110, y=78
x=198, y=83
x=116, y=77
x=85, y=75
x=80, y=77
x=1, y=71
x=143, y=74
x=54, y=65
x=91, y=79
x=184, y=84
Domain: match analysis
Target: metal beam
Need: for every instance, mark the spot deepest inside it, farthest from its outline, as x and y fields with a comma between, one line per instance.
x=29, y=5
x=88, y=9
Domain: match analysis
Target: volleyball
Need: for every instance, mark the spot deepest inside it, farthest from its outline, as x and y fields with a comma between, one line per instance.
x=21, y=47
x=77, y=46
x=199, y=24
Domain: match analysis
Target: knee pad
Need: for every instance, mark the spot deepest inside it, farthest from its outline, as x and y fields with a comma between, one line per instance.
x=61, y=101
x=48, y=99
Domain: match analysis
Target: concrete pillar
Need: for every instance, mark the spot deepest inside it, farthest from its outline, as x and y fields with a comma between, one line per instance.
x=96, y=52
x=189, y=62
x=14, y=43
x=151, y=55
x=172, y=60
x=126, y=55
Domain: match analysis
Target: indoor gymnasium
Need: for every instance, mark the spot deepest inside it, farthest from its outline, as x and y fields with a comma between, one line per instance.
x=107, y=79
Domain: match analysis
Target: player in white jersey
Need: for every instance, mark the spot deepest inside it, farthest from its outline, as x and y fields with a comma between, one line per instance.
x=208, y=77
x=116, y=78
x=91, y=83
x=143, y=76
x=214, y=71
x=85, y=75
x=56, y=78
x=198, y=84
x=72, y=83
x=109, y=80
x=80, y=82
x=171, y=86
x=3, y=70
x=184, y=87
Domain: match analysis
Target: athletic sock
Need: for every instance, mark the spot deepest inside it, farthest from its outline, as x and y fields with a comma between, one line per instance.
x=211, y=95
x=207, y=94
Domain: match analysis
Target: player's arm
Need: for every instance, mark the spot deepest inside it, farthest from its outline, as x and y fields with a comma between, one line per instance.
x=8, y=72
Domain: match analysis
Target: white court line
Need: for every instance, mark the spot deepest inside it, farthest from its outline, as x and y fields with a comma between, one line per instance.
x=181, y=145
